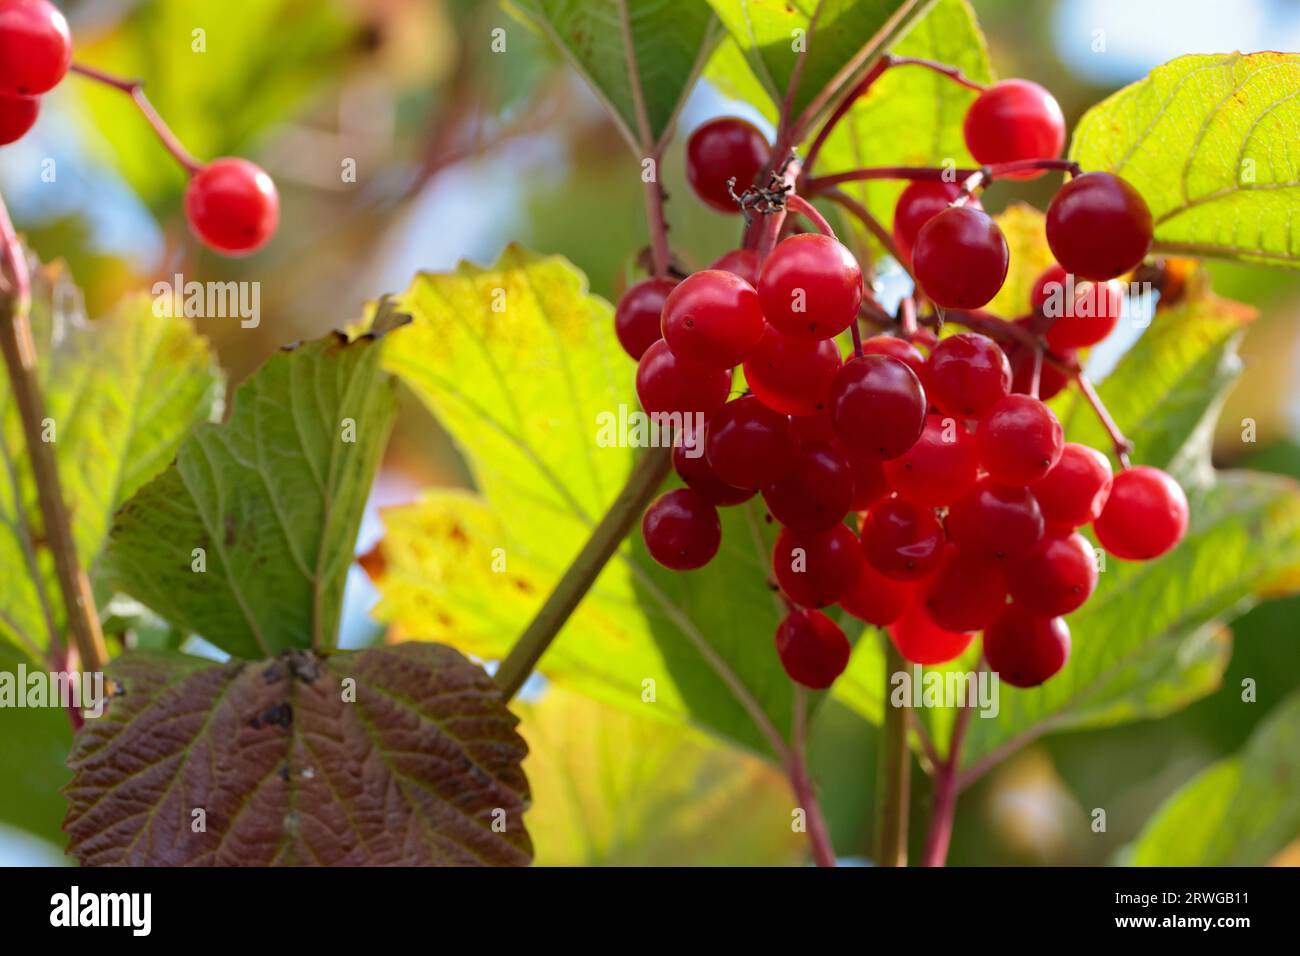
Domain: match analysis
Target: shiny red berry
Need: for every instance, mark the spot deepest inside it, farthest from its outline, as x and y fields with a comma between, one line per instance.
x=720, y=150
x=742, y=262
x=636, y=320
x=682, y=530
x=712, y=318
x=17, y=116
x=996, y=521
x=693, y=468
x=810, y=286
x=816, y=493
x=920, y=202
x=1082, y=312
x=790, y=373
x=35, y=47
x=816, y=568
x=1013, y=120
x=668, y=385
x=1098, y=226
x=1025, y=649
x=814, y=429
x=232, y=206
x=1019, y=440
x=901, y=540
x=1057, y=578
x=1074, y=492
x=939, y=468
x=878, y=406
x=812, y=648
x=869, y=481
x=877, y=599
x=966, y=593
x=1145, y=515
x=960, y=258
x=966, y=375
x=922, y=641
x=749, y=445
x=901, y=349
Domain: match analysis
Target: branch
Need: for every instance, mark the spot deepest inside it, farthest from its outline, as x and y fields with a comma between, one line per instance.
x=641, y=486
x=946, y=788
x=654, y=214
x=893, y=777
x=20, y=359
x=797, y=768
x=135, y=90
x=973, y=178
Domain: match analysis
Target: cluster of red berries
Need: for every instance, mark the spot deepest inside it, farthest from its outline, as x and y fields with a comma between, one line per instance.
x=965, y=501
x=231, y=204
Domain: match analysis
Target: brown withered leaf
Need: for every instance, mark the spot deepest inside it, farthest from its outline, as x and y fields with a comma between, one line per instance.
x=400, y=755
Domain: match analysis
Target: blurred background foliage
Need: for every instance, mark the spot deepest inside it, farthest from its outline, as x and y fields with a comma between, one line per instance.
x=458, y=150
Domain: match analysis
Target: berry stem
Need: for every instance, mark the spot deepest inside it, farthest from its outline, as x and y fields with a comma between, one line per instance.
x=1121, y=444
x=20, y=359
x=135, y=90
x=952, y=72
x=893, y=779
x=806, y=209
x=871, y=224
x=605, y=539
x=946, y=789
x=1036, y=377
x=657, y=226
x=974, y=178
x=797, y=766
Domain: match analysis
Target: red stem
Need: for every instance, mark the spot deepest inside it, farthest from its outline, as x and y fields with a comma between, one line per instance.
x=818, y=833
x=945, y=792
x=806, y=209
x=135, y=90
x=1121, y=444
x=985, y=174
x=660, y=255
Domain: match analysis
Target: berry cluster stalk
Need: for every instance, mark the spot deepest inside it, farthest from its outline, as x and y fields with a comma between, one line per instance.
x=135, y=90
x=20, y=360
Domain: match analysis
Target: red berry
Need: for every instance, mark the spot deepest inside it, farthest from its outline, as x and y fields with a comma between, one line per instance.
x=920, y=202
x=1082, y=313
x=966, y=593
x=232, y=206
x=816, y=568
x=668, y=385
x=901, y=540
x=722, y=149
x=878, y=406
x=922, y=641
x=1019, y=440
x=749, y=445
x=1025, y=649
x=742, y=262
x=1145, y=515
x=1057, y=578
x=713, y=319
x=869, y=482
x=960, y=258
x=792, y=374
x=966, y=375
x=35, y=47
x=939, y=468
x=17, y=116
x=877, y=599
x=1074, y=492
x=1098, y=226
x=815, y=494
x=636, y=320
x=810, y=286
x=1051, y=380
x=996, y=521
x=814, y=429
x=901, y=349
x=693, y=468
x=682, y=530
x=1011, y=120
x=812, y=648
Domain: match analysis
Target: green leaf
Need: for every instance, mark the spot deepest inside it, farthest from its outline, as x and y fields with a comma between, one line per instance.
x=120, y=394
x=839, y=38
x=518, y=362
x=641, y=57
x=246, y=539
x=33, y=750
x=1207, y=141
x=677, y=800
x=389, y=756
x=1023, y=225
x=1240, y=811
x=912, y=116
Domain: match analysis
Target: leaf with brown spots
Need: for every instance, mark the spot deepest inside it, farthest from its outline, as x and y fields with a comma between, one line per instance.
x=400, y=755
